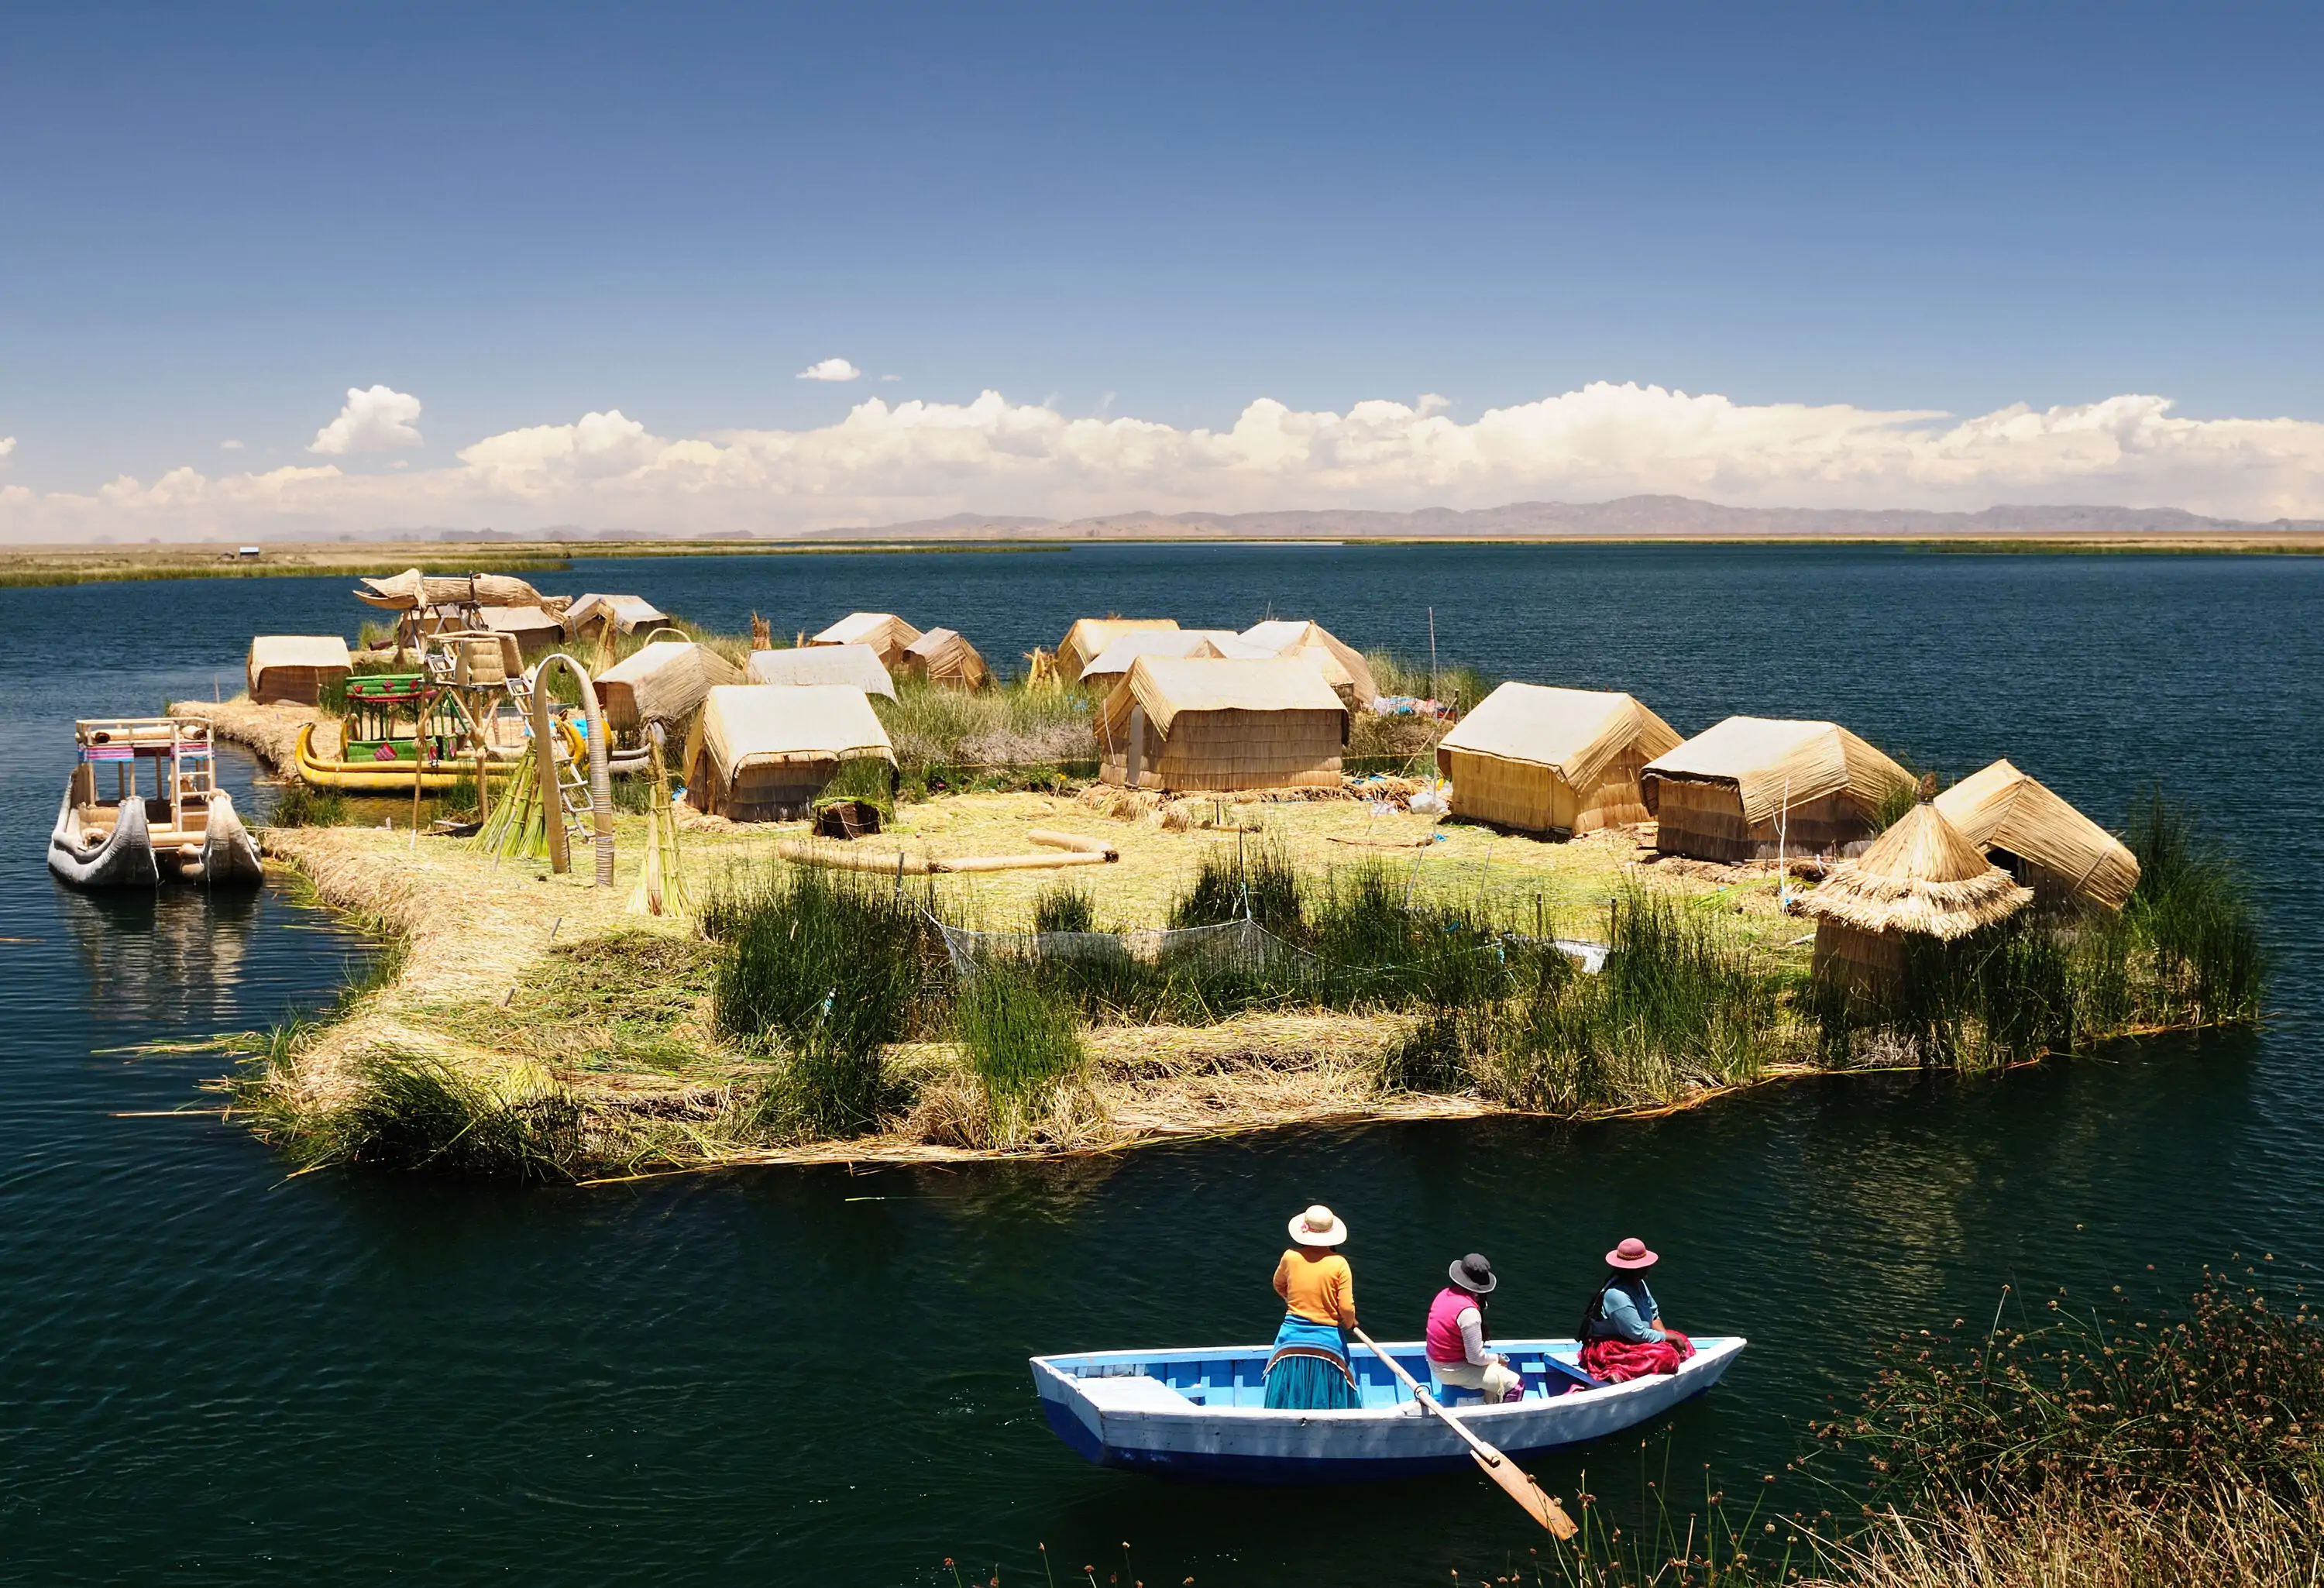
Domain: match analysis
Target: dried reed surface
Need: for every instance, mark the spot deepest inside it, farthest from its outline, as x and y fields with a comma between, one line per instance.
x=271, y=732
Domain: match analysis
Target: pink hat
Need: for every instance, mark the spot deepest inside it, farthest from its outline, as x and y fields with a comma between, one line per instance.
x=1631, y=1253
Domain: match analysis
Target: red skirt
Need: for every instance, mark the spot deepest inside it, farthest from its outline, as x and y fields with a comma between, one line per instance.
x=1617, y=1361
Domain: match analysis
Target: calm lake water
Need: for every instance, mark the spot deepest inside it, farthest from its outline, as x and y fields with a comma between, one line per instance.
x=209, y=1374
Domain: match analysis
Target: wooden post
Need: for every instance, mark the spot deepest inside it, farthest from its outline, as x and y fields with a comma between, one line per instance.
x=483, y=786
x=544, y=757
x=1133, y=755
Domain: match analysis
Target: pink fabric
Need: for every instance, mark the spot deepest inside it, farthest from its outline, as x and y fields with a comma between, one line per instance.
x=1617, y=1361
x=1445, y=1341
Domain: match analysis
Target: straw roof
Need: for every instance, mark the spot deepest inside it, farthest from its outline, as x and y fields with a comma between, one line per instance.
x=2003, y=808
x=944, y=655
x=744, y=726
x=1574, y=732
x=316, y=651
x=858, y=665
x=1122, y=652
x=1089, y=635
x=627, y=613
x=517, y=620
x=1283, y=636
x=412, y=589
x=663, y=683
x=1168, y=686
x=882, y=630
x=1763, y=756
x=1920, y=876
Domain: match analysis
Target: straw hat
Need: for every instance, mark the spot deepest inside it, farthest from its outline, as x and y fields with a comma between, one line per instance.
x=1318, y=1226
x=1631, y=1253
x=1474, y=1274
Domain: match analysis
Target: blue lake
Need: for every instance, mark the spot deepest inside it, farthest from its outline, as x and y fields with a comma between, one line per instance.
x=212, y=1374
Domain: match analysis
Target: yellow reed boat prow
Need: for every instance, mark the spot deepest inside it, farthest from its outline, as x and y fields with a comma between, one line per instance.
x=395, y=777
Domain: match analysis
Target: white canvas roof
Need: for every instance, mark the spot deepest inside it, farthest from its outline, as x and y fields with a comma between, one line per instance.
x=757, y=724
x=1574, y=732
x=1167, y=686
x=316, y=651
x=866, y=628
x=1121, y=652
x=858, y=665
x=1284, y=636
x=517, y=620
x=663, y=683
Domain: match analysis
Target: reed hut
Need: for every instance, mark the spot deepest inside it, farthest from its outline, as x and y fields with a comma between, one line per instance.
x=662, y=682
x=943, y=657
x=762, y=752
x=858, y=665
x=596, y=616
x=1089, y=635
x=1215, y=726
x=887, y=634
x=1110, y=666
x=2040, y=839
x=1753, y=786
x=295, y=667
x=1344, y=668
x=1922, y=879
x=1564, y=761
x=536, y=630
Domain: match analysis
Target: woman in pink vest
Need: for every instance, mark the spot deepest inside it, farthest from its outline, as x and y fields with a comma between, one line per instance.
x=1457, y=1356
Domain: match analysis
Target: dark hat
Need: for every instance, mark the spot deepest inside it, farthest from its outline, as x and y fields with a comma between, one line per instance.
x=1474, y=1274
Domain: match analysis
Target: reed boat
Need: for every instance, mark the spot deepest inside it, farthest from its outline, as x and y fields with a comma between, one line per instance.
x=1199, y=1414
x=187, y=830
x=371, y=772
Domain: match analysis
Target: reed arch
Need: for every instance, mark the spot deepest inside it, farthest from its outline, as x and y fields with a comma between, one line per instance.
x=601, y=782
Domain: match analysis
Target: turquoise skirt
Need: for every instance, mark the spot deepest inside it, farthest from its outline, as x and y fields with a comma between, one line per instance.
x=1309, y=1369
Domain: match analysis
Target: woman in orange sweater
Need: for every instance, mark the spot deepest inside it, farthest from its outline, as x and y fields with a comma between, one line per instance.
x=1309, y=1369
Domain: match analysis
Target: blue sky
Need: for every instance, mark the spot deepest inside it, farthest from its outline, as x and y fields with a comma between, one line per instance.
x=214, y=221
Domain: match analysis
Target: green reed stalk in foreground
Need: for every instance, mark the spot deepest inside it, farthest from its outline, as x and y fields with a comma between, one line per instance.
x=1021, y=1038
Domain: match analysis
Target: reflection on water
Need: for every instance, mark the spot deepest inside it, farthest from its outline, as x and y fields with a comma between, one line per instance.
x=210, y=1374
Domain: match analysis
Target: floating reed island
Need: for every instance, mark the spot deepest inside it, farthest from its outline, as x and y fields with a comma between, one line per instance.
x=935, y=915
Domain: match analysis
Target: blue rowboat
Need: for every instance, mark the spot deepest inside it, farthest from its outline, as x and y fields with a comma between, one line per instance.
x=1198, y=1414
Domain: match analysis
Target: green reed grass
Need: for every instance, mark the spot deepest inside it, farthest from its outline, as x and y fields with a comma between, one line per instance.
x=1400, y=673
x=1065, y=907
x=296, y=804
x=1022, y=1039
x=824, y=969
x=974, y=737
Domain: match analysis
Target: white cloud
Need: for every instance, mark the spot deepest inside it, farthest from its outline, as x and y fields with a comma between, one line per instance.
x=8, y=446
x=831, y=369
x=376, y=418
x=229, y=445
x=886, y=462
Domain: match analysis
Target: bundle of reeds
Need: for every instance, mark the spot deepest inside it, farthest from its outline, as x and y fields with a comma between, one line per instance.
x=661, y=887
x=516, y=828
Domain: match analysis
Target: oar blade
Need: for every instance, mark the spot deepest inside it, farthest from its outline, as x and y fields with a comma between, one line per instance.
x=1538, y=1502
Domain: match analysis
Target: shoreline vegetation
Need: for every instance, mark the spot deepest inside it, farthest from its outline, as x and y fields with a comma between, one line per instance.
x=1246, y=962
x=42, y=565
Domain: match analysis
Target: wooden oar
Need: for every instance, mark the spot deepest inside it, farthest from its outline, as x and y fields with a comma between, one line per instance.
x=1538, y=1504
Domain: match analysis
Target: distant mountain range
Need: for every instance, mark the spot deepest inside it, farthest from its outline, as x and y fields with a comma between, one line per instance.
x=1628, y=517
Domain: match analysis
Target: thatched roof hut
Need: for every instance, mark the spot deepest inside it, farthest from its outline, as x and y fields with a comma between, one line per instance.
x=1211, y=725
x=1110, y=666
x=884, y=631
x=761, y=753
x=942, y=657
x=662, y=682
x=2040, y=839
x=1552, y=760
x=858, y=665
x=1921, y=878
x=536, y=630
x=1344, y=668
x=591, y=616
x=295, y=667
x=1089, y=635
x=1753, y=784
